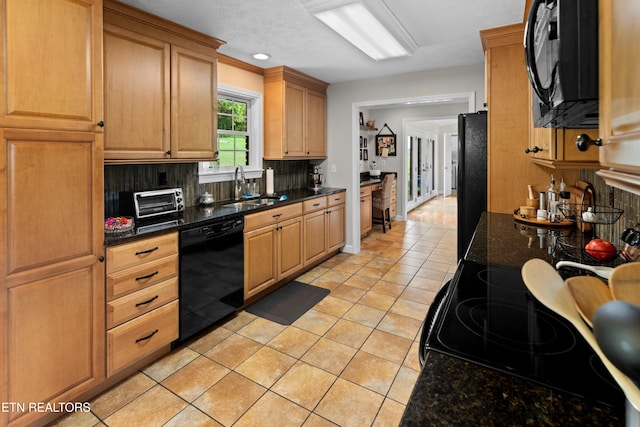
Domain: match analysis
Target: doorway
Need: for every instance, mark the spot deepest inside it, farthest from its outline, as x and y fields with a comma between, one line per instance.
x=421, y=179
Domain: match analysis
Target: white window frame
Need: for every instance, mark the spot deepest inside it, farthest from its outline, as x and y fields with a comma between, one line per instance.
x=256, y=144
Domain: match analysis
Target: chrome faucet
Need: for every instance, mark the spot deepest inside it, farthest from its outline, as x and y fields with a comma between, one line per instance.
x=239, y=184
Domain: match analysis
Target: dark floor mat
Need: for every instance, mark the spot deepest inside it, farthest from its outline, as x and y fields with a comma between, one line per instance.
x=291, y=301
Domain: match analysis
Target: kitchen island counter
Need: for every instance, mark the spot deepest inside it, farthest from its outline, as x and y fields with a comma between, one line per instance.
x=453, y=391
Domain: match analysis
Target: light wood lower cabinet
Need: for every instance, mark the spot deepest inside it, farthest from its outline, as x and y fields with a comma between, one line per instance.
x=142, y=299
x=324, y=226
x=51, y=277
x=366, y=217
x=272, y=247
x=141, y=336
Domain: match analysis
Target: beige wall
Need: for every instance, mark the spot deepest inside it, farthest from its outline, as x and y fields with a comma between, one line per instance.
x=233, y=76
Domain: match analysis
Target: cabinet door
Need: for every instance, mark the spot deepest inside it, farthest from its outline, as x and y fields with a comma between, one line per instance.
x=289, y=242
x=315, y=240
x=294, y=134
x=52, y=280
x=193, y=105
x=366, y=214
x=137, y=90
x=620, y=91
x=53, y=189
x=336, y=228
x=316, y=124
x=259, y=260
x=55, y=337
x=52, y=64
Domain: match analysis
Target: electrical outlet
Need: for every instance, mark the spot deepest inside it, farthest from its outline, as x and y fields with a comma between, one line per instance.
x=384, y=162
x=334, y=168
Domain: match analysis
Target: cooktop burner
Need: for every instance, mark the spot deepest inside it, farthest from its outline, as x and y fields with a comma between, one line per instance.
x=490, y=318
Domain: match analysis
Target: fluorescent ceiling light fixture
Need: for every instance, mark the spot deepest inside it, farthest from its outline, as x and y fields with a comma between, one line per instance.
x=361, y=28
x=261, y=56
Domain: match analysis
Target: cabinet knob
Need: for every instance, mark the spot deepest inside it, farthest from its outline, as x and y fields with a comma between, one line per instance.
x=101, y=258
x=168, y=153
x=584, y=141
x=535, y=149
x=101, y=123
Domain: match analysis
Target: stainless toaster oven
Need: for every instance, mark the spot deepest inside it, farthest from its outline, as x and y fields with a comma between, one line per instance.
x=149, y=204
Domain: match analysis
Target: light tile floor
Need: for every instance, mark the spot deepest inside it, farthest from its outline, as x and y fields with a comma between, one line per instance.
x=351, y=360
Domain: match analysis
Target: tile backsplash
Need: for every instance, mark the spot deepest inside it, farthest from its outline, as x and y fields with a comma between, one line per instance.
x=610, y=196
x=288, y=174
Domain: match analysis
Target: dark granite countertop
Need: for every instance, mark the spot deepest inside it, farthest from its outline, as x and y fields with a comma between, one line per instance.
x=450, y=391
x=370, y=182
x=453, y=392
x=194, y=216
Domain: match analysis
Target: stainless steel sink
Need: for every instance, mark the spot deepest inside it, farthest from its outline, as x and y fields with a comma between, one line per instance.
x=247, y=204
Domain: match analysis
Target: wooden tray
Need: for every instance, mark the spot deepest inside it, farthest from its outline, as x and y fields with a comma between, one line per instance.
x=541, y=223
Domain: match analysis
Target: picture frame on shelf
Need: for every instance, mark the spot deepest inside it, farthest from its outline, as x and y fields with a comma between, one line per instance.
x=365, y=143
x=361, y=119
x=386, y=145
x=365, y=154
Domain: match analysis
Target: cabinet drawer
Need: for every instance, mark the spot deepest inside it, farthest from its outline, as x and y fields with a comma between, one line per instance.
x=272, y=216
x=133, y=305
x=314, y=204
x=135, y=253
x=365, y=191
x=336, y=199
x=141, y=336
x=133, y=279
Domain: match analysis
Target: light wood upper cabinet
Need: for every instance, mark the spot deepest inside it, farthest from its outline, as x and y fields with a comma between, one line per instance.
x=193, y=105
x=294, y=115
x=52, y=64
x=137, y=95
x=619, y=36
x=160, y=89
x=556, y=147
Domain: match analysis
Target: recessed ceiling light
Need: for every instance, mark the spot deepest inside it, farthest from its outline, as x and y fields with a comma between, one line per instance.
x=261, y=56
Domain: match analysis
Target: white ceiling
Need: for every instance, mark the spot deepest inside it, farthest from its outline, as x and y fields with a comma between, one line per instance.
x=447, y=33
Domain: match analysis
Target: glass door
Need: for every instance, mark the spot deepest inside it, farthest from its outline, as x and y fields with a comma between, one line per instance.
x=420, y=170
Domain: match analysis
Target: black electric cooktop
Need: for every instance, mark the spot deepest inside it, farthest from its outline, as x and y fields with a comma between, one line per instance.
x=490, y=318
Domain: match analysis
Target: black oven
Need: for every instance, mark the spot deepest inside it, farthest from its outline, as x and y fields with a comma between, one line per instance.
x=211, y=274
x=561, y=53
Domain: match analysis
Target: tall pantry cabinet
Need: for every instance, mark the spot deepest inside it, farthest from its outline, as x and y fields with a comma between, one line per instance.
x=51, y=214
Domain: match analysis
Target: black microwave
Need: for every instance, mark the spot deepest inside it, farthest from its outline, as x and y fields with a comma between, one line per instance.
x=561, y=53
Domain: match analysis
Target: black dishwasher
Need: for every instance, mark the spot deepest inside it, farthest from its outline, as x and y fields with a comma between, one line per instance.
x=211, y=275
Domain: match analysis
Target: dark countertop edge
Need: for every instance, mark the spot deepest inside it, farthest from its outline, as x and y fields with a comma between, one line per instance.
x=452, y=391
x=194, y=216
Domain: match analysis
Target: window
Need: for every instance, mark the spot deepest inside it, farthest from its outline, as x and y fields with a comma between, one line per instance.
x=239, y=136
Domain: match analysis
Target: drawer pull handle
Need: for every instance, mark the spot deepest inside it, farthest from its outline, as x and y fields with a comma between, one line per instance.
x=315, y=205
x=148, y=276
x=277, y=216
x=147, y=337
x=148, y=251
x=146, y=302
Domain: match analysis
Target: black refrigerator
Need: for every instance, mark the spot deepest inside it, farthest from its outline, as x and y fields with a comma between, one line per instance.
x=472, y=175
